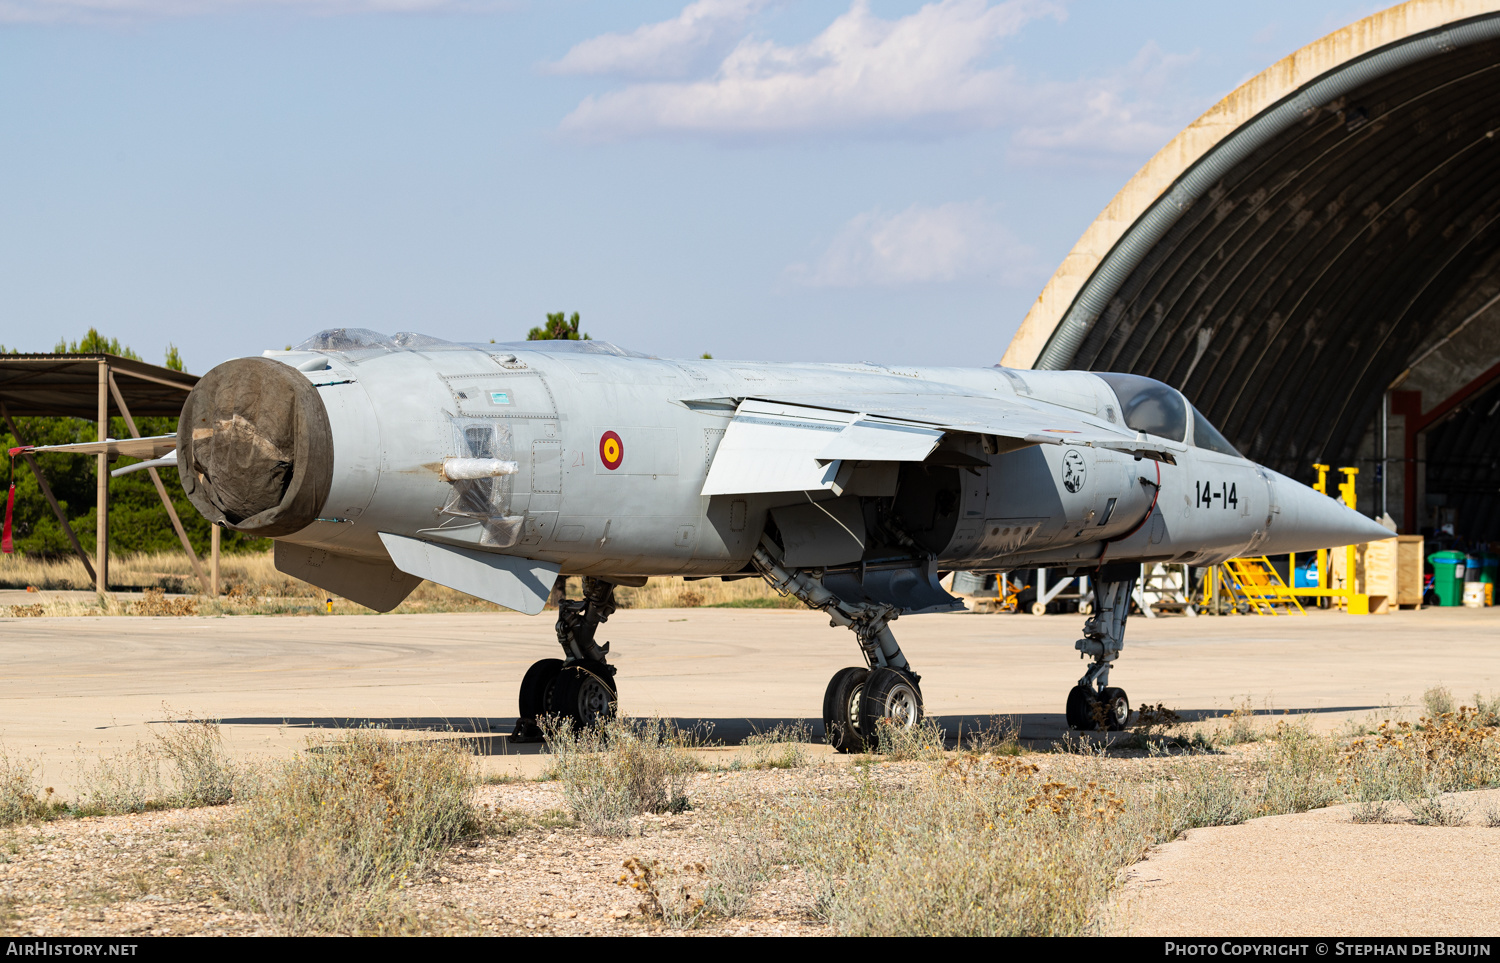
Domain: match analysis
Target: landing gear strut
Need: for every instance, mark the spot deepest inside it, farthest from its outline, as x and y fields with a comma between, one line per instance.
x=1093, y=703
x=579, y=688
x=857, y=699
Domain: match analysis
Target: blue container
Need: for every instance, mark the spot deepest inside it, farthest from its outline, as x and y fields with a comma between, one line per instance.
x=1306, y=575
x=1473, y=568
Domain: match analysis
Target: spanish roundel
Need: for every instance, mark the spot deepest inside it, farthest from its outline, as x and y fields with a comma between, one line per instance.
x=611, y=450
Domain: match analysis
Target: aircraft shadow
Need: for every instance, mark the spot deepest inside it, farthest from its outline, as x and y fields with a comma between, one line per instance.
x=490, y=736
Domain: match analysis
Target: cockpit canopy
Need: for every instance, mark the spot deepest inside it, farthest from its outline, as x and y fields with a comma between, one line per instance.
x=1161, y=410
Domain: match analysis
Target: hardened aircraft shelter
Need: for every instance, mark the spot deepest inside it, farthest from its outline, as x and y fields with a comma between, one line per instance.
x=1315, y=262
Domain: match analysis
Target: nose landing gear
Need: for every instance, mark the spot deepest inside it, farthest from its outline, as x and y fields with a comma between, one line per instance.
x=1093, y=703
x=580, y=688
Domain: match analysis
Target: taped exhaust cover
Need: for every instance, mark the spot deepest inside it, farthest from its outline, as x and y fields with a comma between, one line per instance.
x=255, y=450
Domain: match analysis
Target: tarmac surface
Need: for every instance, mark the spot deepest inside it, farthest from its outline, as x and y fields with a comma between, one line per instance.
x=73, y=687
x=1319, y=874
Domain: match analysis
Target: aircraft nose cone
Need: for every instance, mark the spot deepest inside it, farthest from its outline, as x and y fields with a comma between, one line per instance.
x=1308, y=521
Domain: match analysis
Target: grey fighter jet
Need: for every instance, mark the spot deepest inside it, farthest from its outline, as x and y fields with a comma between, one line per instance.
x=376, y=462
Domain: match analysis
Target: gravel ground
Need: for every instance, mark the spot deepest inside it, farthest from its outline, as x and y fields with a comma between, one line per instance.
x=151, y=874
x=1314, y=873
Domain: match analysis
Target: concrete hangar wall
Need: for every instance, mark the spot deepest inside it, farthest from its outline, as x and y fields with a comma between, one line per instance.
x=1318, y=257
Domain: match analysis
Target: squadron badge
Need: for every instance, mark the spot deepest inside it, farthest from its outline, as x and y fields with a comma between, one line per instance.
x=1074, y=471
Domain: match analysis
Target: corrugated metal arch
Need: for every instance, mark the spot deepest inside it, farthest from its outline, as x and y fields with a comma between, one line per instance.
x=1304, y=235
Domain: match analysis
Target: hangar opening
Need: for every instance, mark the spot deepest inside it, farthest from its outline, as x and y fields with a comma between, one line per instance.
x=1315, y=262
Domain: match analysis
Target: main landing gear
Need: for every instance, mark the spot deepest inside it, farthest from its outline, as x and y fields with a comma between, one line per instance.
x=581, y=687
x=1093, y=703
x=857, y=698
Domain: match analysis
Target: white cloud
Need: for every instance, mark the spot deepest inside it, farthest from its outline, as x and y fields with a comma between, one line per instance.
x=925, y=70
x=52, y=11
x=1131, y=112
x=671, y=48
x=922, y=245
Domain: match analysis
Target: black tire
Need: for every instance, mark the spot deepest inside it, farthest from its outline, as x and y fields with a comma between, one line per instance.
x=536, y=688
x=1081, y=702
x=585, y=693
x=892, y=695
x=841, y=703
x=1116, y=709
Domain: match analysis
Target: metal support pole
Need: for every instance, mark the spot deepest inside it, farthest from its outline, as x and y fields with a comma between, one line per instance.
x=41, y=480
x=101, y=492
x=1385, y=462
x=161, y=490
x=215, y=539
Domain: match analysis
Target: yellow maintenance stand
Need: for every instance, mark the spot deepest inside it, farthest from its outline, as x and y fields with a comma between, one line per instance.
x=1256, y=580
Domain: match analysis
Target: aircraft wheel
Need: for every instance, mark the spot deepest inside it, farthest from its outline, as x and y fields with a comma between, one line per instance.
x=1038, y=608
x=537, y=686
x=1116, y=708
x=1080, y=711
x=585, y=693
x=892, y=695
x=841, y=708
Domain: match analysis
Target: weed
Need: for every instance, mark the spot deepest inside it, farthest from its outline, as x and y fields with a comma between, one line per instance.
x=1438, y=701
x=924, y=741
x=21, y=800
x=1002, y=737
x=195, y=748
x=1154, y=725
x=986, y=846
x=1489, y=812
x=737, y=869
x=125, y=781
x=1209, y=794
x=666, y=893
x=326, y=841
x=155, y=602
x=1240, y=725
x=1300, y=771
x=780, y=747
x=616, y=769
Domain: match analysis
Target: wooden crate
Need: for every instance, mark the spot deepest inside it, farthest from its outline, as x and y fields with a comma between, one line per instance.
x=1378, y=566
x=1411, y=553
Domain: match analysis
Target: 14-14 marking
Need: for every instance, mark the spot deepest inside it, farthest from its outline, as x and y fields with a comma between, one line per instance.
x=1225, y=495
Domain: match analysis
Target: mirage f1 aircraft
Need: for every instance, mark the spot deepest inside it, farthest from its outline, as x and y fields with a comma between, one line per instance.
x=376, y=462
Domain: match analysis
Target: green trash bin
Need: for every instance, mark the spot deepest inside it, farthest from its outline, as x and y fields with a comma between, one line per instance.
x=1491, y=563
x=1448, y=576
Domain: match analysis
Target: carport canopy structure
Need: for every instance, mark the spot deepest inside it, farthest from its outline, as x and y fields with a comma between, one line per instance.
x=83, y=386
x=1315, y=262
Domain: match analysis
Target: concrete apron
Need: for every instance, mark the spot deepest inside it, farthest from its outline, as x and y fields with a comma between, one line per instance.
x=76, y=687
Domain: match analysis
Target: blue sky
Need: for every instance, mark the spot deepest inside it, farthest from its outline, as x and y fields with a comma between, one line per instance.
x=880, y=180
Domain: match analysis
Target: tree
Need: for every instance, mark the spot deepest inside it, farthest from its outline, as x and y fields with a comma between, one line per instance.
x=559, y=327
x=95, y=343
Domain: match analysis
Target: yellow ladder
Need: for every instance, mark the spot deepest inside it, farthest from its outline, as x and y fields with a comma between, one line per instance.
x=1256, y=581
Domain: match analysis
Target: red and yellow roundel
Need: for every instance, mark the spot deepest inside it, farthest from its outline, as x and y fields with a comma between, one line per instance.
x=611, y=450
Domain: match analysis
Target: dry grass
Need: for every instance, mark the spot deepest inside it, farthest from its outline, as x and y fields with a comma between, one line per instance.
x=615, y=770
x=677, y=593
x=251, y=585
x=21, y=799
x=184, y=765
x=783, y=746
x=326, y=842
x=1418, y=765
x=984, y=845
